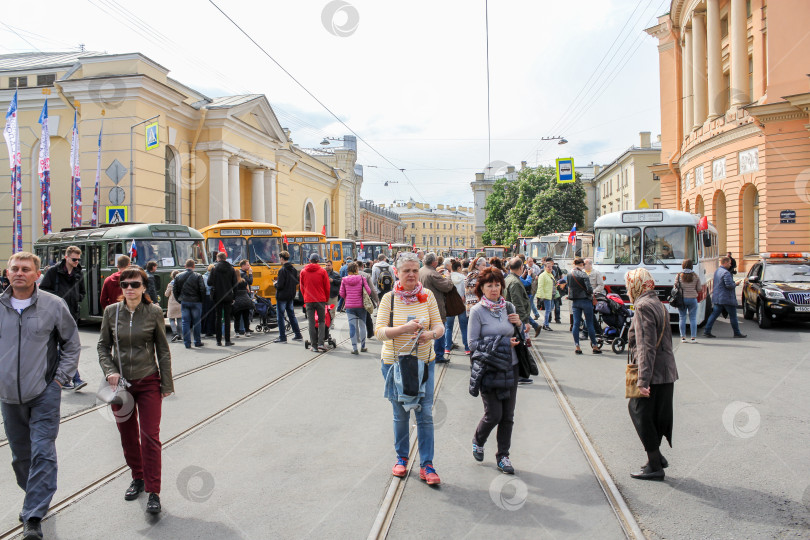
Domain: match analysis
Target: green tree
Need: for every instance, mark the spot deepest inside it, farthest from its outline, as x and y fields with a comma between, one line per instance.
x=534, y=204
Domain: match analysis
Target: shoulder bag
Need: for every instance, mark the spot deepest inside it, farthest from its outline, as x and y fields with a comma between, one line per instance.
x=526, y=364
x=676, y=295
x=631, y=370
x=114, y=395
x=593, y=298
x=368, y=303
x=453, y=303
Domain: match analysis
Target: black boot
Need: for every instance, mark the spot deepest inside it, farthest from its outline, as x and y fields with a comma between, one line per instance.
x=32, y=530
x=153, y=504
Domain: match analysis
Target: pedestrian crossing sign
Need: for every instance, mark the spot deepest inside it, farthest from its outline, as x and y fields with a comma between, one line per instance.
x=565, y=170
x=152, y=136
x=116, y=214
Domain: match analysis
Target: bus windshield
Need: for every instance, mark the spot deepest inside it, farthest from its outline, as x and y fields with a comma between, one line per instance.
x=190, y=249
x=348, y=250
x=236, y=248
x=620, y=245
x=674, y=244
x=159, y=251
x=309, y=248
x=263, y=250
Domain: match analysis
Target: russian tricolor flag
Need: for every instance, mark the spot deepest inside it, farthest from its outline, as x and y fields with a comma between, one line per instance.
x=572, y=236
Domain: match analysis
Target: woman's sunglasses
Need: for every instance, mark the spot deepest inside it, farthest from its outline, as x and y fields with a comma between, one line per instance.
x=133, y=284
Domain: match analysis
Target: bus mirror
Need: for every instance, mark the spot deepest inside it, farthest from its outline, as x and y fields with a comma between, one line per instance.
x=707, y=240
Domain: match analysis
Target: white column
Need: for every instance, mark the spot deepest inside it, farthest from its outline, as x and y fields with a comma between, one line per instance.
x=715, y=69
x=688, y=89
x=257, y=195
x=234, y=211
x=738, y=31
x=218, y=185
x=699, y=68
x=270, y=196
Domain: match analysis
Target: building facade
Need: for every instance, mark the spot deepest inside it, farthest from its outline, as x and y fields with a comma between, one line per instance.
x=216, y=158
x=735, y=101
x=628, y=183
x=437, y=228
x=380, y=224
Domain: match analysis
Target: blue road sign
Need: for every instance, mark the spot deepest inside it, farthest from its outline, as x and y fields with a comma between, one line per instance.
x=116, y=214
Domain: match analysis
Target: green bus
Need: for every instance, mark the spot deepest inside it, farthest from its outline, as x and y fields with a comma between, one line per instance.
x=167, y=244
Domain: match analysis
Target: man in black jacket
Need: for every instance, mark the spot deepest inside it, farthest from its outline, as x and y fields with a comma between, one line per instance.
x=189, y=290
x=223, y=279
x=66, y=281
x=286, y=284
x=152, y=284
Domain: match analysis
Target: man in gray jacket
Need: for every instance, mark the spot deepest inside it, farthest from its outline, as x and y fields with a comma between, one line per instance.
x=439, y=286
x=34, y=322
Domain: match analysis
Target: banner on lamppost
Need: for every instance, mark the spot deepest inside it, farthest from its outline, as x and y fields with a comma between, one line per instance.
x=75, y=176
x=94, y=218
x=12, y=136
x=45, y=171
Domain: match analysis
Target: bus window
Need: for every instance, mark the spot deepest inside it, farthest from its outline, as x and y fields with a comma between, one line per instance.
x=190, y=249
x=295, y=253
x=308, y=248
x=235, y=248
x=348, y=250
x=159, y=251
x=114, y=250
x=336, y=256
x=621, y=245
x=669, y=244
x=263, y=250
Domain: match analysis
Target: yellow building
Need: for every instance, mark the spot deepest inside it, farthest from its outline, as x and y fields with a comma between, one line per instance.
x=216, y=158
x=437, y=228
x=628, y=183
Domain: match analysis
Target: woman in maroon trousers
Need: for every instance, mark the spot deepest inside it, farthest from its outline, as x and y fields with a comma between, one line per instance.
x=133, y=345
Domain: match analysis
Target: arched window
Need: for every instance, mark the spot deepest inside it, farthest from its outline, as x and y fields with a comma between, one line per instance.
x=309, y=217
x=171, y=186
x=750, y=217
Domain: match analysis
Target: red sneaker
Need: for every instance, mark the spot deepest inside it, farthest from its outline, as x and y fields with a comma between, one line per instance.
x=401, y=467
x=428, y=474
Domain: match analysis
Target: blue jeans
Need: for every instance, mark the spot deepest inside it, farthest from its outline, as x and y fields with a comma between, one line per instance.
x=340, y=303
x=690, y=305
x=285, y=307
x=424, y=421
x=548, y=305
x=448, y=331
x=579, y=308
x=717, y=309
x=438, y=348
x=357, y=326
x=31, y=429
x=192, y=315
x=535, y=312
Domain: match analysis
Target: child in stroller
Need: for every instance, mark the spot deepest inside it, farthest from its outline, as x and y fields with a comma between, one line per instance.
x=613, y=322
x=327, y=337
x=263, y=308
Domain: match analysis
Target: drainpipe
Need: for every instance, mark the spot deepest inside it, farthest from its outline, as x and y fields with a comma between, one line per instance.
x=192, y=191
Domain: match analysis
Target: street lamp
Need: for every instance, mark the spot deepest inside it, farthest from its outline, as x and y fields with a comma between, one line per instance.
x=561, y=139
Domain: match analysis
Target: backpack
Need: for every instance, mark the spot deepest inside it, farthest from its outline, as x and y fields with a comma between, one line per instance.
x=385, y=281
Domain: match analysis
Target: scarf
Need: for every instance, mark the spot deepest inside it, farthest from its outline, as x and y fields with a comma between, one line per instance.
x=494, y=306
x=410, y=297
x=638, y=282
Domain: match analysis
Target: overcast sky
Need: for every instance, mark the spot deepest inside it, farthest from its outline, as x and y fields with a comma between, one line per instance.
x=409, y=77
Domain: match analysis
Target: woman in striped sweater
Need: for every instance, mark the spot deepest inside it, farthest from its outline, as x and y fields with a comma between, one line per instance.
x=403, y=312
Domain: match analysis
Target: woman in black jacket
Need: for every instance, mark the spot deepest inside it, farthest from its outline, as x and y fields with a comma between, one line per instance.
x=242, y=304
x=286, y=285
x=581, y=295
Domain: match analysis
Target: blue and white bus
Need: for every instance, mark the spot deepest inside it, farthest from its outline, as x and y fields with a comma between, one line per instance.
x=658, y=240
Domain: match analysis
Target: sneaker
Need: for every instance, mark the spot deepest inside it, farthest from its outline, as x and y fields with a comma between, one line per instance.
x=68, y=386
x=32, y=530
x=694, y=340
x=298, y=338
x=454, y=346
x=354, y=351
x=153, y=504
x=401, y=467
x=134, y=490
x=447, y=351
x=78, y=385
x=198, y=345
x=683, y=340
x=323, y=348
x=467, y=352
x=548, y=328
x=708, y=335
x=428, y=474
x=229, y=343
x=280, y=340
x=176, y=338
x=740, y=336
x=478, y=452
x=363, y=349
x=443, y=360
x=524, y=380
x=505, y=466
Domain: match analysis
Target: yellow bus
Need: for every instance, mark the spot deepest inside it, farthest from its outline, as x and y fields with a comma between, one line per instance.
x=259, y=243
x=340, y=249
x=496, y=251
x=301, y=244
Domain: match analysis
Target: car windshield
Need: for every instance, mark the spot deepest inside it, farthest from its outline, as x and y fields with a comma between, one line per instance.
x=665, y=244
x=787, y=273
x=263, y=250
x=236, y=248
x=620, y=245
x=190, y=249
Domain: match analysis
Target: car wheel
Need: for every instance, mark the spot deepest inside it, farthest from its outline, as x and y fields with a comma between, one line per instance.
x=748, y=313
x=763, y=320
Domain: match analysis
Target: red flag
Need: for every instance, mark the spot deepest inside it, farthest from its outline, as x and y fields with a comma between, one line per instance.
x=222, y=247
x=703, y=224
x=389, y=245
x=323, y=230
x=284, y=238
x=361, y=245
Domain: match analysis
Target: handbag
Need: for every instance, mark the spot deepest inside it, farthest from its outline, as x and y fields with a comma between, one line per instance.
x=676, y=295
x=409, y=368
x=526, y=364
x=631, y=389
x=368, y=303
x=114, y=395
x=453, y=303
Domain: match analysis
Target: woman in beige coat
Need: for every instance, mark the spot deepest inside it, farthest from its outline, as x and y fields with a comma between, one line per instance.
x=173, y=311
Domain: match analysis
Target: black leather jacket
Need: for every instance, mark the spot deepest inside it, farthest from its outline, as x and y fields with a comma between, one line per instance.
x=579, y=285
x=491, y=369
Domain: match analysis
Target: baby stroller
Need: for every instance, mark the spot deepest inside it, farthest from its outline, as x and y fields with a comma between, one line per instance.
x=327, y=336
x=264, y=309
x=613, y=322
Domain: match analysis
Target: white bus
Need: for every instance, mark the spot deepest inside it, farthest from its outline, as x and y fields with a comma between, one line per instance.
x=658, y=240
x=556, y=245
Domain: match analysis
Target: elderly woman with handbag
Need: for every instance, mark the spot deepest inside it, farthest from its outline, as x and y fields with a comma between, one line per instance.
x=408, y=317
x=650, y=348
x=134, y=355
x=352, y=288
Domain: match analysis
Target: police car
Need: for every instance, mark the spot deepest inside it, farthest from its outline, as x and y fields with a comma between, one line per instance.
x=777, y=288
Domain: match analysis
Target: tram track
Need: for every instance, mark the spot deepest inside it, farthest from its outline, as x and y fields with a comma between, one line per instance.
x=192, y=371
x=96, y=484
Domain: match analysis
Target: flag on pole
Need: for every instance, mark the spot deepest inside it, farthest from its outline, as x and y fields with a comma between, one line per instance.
x=75, y=177
x=221, y=247
x=703, y=224
x=45, y=171
x=572, y=236
x=323, y=230
x=94, y=219
x=283, y=238
x=133, y=251
x=12, y=136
